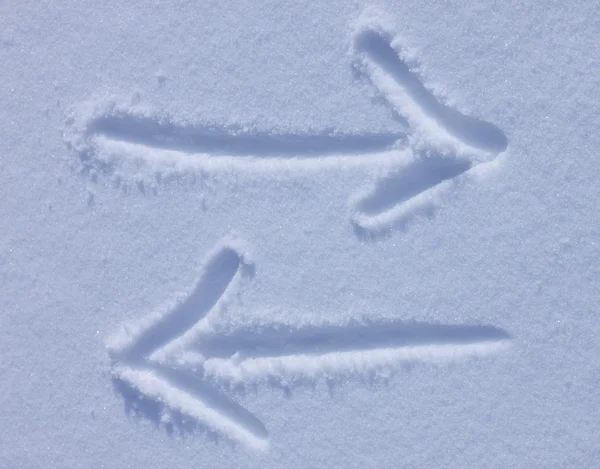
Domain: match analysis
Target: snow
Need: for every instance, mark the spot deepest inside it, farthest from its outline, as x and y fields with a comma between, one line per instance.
x=299, y=234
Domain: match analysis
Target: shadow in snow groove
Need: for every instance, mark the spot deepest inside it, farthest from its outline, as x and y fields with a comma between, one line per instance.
x=412, y=180
x=319, y=340
x=413, y=188
x=474, y=132
x=220, y=141
x=217, y=276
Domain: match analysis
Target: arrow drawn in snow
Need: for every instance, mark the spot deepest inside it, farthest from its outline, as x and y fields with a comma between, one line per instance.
x=440, y=148
x=180, y=358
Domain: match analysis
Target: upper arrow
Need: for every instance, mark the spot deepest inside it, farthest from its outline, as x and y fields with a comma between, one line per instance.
x=192, y=139
x=439, y=146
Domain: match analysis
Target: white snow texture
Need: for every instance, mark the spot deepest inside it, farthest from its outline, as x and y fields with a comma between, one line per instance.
x=300, y=234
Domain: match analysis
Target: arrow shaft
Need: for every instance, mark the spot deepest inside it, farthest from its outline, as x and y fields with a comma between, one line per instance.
x=235, y=142
x=279, y=341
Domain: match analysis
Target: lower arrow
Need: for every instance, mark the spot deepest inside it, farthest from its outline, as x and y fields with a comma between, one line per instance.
x=181, y=356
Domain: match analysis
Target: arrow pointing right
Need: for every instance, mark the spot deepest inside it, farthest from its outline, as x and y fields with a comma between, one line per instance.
x=441, y=147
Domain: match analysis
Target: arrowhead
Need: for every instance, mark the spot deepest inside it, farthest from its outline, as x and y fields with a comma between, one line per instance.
x=137, y=358
x=443, y=147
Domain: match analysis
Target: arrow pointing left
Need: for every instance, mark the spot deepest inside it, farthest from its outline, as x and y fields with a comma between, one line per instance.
x=181, y=356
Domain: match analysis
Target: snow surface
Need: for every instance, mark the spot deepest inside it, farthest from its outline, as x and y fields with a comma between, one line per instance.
x=299, y=234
